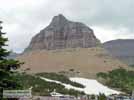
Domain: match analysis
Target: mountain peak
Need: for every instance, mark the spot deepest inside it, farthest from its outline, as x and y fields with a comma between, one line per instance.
x=62, y=33
x=59, y=19
x=61, y=16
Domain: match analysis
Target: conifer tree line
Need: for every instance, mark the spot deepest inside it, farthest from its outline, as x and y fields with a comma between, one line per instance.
x=7, y=66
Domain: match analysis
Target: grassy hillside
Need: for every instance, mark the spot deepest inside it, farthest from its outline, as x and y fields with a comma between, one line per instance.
x=119, y=78
x=42, y=87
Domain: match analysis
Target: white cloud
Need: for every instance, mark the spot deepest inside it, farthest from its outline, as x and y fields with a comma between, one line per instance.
x=106, y=34
x=110, y=19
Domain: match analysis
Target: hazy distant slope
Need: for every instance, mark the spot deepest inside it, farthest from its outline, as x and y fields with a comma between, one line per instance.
x=122, y=49
x=12, y=55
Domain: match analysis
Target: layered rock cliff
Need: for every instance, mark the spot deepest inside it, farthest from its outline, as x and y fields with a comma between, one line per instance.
x=62, y=33
x=65, y=45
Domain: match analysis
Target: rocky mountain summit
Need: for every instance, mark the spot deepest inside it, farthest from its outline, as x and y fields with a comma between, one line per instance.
x=64, y=46
x=62, y=33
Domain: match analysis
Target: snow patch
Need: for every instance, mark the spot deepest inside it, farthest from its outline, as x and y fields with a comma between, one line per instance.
x=67, y=86
x=91, y=86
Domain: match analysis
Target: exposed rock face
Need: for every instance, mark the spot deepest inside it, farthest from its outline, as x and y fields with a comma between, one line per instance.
x=86, y=60
x=122, y=49
x=62, y=33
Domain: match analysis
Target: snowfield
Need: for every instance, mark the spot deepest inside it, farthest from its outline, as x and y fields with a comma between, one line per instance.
x=91, y=86
x=67, y=86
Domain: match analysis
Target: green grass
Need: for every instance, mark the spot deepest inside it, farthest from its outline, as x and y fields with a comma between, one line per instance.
x=42, y=87
x=61, y=78
x=119, y=78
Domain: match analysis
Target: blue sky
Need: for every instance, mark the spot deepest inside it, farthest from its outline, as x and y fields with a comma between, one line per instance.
x=110, y=19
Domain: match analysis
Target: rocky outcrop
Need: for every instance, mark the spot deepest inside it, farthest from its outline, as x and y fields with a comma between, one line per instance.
x=62, y=33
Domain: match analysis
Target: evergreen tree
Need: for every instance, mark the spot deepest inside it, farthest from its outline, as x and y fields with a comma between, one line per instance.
x=7, y=66
x=102, y=97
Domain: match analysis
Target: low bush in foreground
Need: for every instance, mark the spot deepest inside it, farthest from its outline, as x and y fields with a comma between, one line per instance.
x=119, y=78
x=42, y=87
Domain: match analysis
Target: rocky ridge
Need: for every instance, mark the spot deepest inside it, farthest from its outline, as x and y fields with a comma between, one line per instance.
x=62, y=33
x=122, y=49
